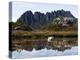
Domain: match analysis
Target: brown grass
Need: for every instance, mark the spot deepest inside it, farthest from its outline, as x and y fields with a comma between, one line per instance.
x=45, y=33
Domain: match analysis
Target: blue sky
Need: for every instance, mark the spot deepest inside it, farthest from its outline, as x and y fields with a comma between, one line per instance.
x=18, y=8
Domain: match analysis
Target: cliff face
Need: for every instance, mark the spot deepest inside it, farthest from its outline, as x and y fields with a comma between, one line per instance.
x=39, y=20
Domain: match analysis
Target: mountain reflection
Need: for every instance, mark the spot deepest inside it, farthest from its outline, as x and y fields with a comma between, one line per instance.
x=60, y=44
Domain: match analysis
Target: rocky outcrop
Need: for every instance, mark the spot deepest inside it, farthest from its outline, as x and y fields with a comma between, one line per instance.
x=39, y=20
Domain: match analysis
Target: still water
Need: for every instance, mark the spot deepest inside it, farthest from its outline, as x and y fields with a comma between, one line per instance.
x=56, y=47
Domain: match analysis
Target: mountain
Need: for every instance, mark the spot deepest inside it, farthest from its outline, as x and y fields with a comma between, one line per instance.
x=39, y=20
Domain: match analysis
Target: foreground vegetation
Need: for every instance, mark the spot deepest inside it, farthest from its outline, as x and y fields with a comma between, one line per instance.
x=43, y=34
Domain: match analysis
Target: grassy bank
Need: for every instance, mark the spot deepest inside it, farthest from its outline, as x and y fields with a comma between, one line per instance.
x=43, y=34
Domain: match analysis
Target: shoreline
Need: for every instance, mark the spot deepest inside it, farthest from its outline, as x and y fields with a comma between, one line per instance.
x=43, y=34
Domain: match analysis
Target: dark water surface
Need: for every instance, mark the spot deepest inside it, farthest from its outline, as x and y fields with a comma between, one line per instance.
x=43, y=48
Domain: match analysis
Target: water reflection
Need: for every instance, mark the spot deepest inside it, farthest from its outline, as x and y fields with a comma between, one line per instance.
x=43, y=53
x=59, y=44
x=42, y=48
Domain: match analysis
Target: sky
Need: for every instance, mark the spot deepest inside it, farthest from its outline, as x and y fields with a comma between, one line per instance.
x=18, y=8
